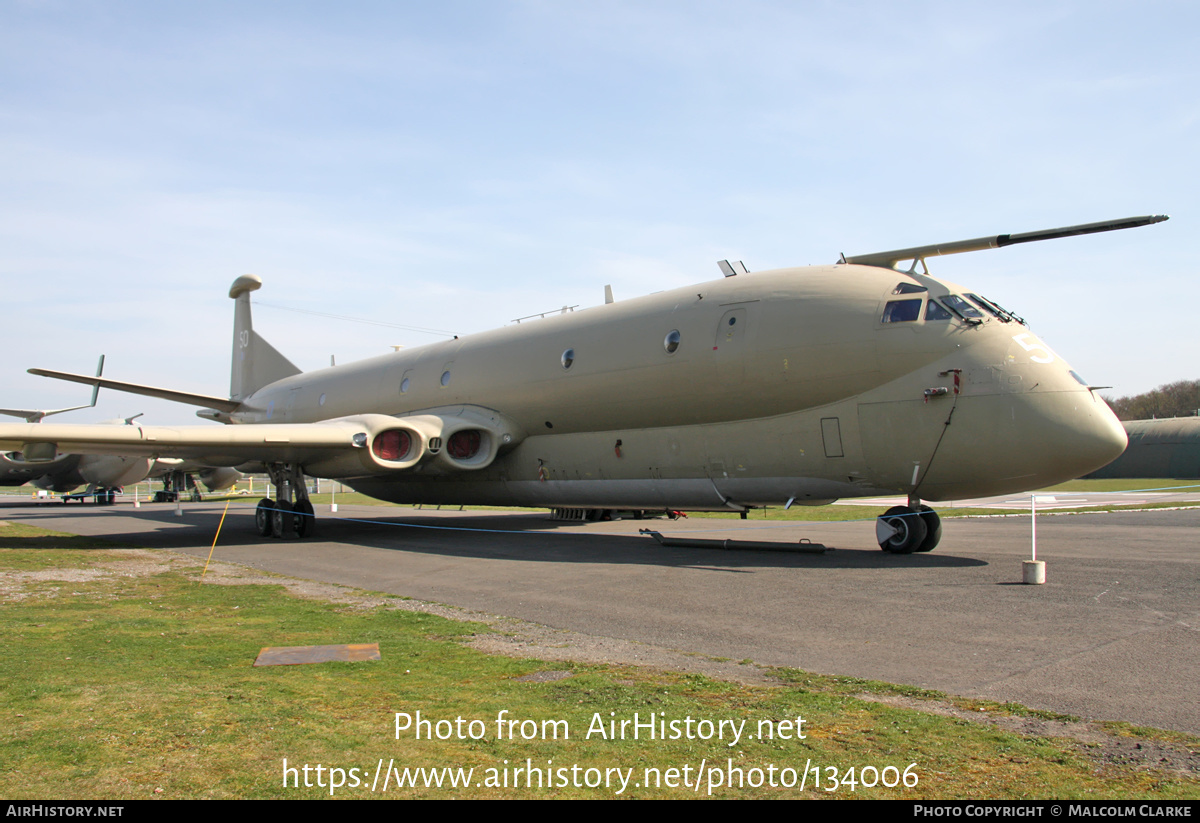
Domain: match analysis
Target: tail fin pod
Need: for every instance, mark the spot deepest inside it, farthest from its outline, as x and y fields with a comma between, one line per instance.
x=255, y=361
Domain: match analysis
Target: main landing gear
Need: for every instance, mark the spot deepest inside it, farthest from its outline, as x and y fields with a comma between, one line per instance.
x=291, y=514
x=176, y=484
x=908, y=529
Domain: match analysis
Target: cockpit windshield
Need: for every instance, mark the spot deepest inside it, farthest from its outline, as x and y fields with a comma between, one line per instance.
x=995, y=309
x=972, y=309
x=934, y=311
x=962, y=308
x=902, y=311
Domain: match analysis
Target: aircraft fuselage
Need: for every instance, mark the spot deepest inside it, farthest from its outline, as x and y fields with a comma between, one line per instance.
x=746, y=391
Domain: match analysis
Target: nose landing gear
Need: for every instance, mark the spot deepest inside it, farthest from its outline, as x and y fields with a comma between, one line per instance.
x=908, y=529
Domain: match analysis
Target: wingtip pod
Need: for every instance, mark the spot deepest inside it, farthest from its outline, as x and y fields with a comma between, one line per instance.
x=244, y=285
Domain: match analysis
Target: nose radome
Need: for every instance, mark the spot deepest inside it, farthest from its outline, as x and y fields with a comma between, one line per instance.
x=1109, y=435
x=1094, y=438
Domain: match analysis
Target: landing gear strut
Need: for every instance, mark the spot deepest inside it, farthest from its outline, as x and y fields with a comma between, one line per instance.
x=291, y=514
x=908, y=529
x=175, y=485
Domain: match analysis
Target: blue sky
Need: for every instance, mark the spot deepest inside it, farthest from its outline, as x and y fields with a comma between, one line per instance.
x=455, y=165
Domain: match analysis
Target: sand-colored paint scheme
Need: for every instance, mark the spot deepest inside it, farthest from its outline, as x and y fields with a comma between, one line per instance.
x=792, y=386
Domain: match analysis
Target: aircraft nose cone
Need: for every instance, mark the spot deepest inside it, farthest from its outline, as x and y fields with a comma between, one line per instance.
x=1008, y=444
x=1096, y=438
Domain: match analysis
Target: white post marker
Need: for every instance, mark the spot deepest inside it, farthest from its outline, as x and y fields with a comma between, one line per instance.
x=1033, y=571
x=178, y=507
x=333, y=496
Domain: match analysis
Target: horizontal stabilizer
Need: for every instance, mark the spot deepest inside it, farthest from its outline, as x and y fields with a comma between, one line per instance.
x=221, y=403
x=888, y=259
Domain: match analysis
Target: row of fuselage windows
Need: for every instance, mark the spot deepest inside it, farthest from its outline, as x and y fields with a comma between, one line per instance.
x=947, y=307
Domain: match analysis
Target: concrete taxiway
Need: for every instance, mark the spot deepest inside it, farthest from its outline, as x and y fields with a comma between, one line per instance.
x=1114, y=634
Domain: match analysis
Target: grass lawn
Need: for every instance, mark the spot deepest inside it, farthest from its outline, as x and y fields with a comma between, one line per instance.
x=127, y=676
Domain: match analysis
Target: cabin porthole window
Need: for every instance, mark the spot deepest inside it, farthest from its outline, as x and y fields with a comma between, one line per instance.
x=446, y=378
x=671, y=341
x=404, y=385
x=321, y=402
x=568, y=357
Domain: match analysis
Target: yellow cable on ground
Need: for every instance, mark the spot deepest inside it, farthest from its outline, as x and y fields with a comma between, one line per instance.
x=215, y=536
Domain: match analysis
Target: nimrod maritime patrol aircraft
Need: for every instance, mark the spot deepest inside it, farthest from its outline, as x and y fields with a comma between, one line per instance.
x=792, y=386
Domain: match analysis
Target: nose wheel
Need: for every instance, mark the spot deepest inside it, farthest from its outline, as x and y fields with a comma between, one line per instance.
x=908, y=529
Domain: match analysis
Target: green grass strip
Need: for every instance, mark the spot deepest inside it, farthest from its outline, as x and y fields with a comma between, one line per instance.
x=126, y=677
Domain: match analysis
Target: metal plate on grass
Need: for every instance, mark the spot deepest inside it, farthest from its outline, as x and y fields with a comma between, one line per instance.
x=297, y=655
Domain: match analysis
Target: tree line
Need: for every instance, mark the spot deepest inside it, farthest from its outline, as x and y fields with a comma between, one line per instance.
x=1180, y=399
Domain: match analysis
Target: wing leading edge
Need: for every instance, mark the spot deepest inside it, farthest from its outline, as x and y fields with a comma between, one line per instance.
x=212, y=445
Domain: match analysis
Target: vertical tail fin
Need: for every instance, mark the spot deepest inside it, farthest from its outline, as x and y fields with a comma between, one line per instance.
x=255, y=361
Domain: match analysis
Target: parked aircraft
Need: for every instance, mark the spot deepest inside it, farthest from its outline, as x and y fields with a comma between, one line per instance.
x=37, y=415
x=792, y=386
x=179, y=478
x=66, y=472
x=1168, y=447
x=101, y=473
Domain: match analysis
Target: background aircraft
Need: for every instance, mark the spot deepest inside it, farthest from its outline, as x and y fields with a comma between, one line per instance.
x=67, y=472
x=179, y=478
x=790, y=386
x=36, y=415
x=103, y=474
x=1158, y=448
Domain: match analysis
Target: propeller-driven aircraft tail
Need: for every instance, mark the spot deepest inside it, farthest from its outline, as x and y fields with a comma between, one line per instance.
x=37, y=415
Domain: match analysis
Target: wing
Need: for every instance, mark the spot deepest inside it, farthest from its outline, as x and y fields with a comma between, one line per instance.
x=214, y=445
x=373, y=444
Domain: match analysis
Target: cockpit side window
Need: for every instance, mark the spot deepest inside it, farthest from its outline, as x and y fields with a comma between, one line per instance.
x=902, y=311
x=934, y=311
x=908, y=288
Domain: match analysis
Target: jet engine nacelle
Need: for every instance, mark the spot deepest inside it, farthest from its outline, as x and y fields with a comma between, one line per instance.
x=437, y=441
x=15, y=470
x=216, y=479
x=109, y=471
